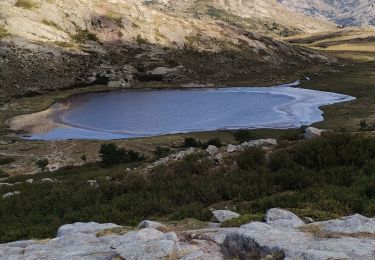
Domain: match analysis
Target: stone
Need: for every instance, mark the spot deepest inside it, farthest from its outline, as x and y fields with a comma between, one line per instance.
x=149, y=224
x=93, y=183
x=283, y=218
x=313, y=132
x=350, y=225
x=261, y=142
x=11, y=194
x=212, y=150
x=46, y=180
x=147, y=243
x=29, y=181
x=5, y=184
x=85, y=228
x=224, y=215
x=231, y=148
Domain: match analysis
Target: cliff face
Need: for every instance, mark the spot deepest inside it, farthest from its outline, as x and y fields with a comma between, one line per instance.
x=343, y=12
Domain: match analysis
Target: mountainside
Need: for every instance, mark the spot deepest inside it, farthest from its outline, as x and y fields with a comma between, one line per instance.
x=68, y=43
x=343, y=12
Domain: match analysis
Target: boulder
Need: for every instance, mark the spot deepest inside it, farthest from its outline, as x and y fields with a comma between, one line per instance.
x=11, y=194
x=258, y=240
x=93, y=183
x=45, y=180
x=147, y=243
x=283, y=218
x=231, y=148
x=262, y=142
x=312, y=132
x=85, y=228
x=212, y=150
x=149, y=224
x=350, y=225
x=29, y=181
x=224, y=215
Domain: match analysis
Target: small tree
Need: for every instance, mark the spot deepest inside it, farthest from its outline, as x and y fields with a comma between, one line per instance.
x=42, y=164
x=112, y=155
x=191, y=142
x=83, y=157
x=363, y=125
x=243, y=135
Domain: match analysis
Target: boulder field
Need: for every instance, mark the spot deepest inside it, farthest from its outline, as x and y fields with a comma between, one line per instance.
x=283, y=235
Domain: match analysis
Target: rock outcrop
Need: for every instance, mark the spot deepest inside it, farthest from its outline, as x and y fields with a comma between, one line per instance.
x=282, y=236
x=224, y=215
x=313, y=132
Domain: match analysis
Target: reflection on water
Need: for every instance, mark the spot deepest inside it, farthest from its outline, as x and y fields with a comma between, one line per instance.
x=126, y=114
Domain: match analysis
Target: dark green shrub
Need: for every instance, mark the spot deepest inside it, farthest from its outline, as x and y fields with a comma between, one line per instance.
x=243, y=135
x=6, y=160
x=3, y=174
x=215, y=141
x=112, y=155
x=42, y=164
x=191, y=142
x=193, y=210
x=251, y=158
x=162, y=151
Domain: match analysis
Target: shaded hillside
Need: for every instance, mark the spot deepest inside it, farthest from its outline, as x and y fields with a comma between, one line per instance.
x=70, y=43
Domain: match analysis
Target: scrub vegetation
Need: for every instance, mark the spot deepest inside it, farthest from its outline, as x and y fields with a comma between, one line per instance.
x=322, y=178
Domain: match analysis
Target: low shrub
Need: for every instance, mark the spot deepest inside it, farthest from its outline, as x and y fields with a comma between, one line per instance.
x=112, y=155
x=243, y=135
x=191, y=142
x=6, y=160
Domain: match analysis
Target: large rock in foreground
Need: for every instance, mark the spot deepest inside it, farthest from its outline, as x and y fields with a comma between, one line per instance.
x=283, y=236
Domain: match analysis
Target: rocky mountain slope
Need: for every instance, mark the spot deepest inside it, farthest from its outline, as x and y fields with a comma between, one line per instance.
x=343, y=12
x=282, y=236
x=67, y=43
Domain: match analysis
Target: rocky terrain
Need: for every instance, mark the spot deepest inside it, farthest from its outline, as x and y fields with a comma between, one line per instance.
x=342, y=12
x=283, y=235
x=48, y=45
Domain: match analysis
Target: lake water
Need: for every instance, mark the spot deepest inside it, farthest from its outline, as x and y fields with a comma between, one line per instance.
x=140, y=113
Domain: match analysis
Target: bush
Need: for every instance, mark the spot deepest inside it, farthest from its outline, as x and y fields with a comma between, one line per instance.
x=215, y=141
x=6, y=160
x=42, y=164
x=251, y=158
x=162, y=151
x=191, y=142
x=3, y=174
x=112, y=155
x=243, y=135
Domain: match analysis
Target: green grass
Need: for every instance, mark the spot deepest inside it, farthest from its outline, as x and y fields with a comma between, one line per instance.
x=357, y=80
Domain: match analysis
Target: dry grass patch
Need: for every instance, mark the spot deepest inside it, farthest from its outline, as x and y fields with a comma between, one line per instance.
x=26, y=4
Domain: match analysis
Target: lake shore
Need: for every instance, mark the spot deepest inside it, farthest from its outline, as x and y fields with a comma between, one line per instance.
x=302, y=109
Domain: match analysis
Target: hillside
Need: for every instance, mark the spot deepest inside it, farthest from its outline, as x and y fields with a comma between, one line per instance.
x=69, y=43
x=342, y=12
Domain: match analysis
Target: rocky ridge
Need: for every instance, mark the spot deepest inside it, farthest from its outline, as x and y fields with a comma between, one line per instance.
x=343, y=12
x=282, y=236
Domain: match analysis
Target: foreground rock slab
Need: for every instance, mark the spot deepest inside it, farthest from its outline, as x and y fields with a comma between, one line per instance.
x=282, y=236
